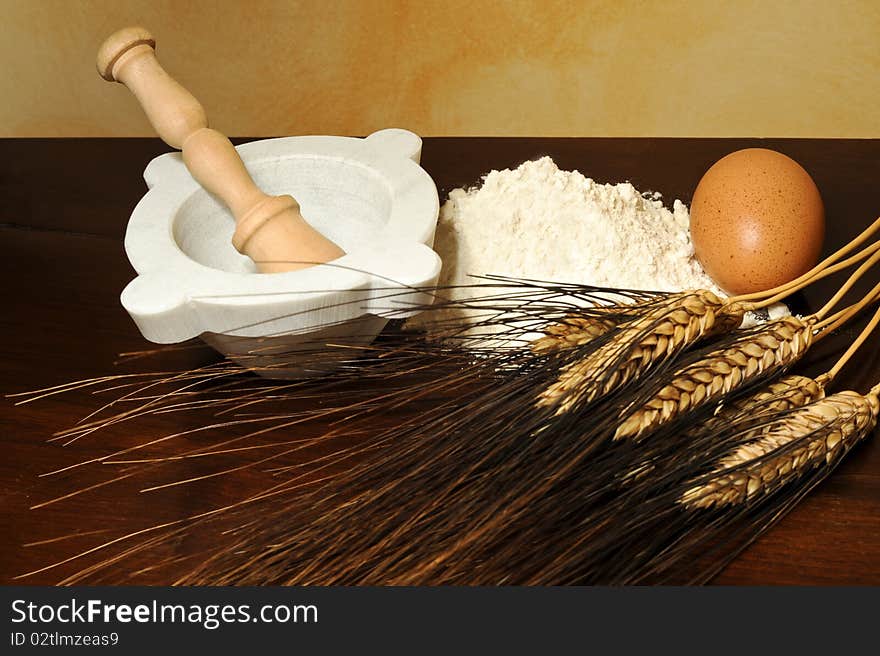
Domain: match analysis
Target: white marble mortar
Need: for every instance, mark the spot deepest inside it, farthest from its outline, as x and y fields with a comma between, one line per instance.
x=369, y=195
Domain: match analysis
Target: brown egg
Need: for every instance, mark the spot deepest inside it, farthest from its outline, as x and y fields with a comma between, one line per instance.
x=757, y=221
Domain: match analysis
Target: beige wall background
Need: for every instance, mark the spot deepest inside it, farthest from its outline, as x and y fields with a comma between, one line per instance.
x=615, y=68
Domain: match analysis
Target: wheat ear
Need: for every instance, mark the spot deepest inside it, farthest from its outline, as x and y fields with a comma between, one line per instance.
x=773, y=346
x=664, y=331
x=811, y=436
x=584, y=325
x=787, y=393
x=781, y=395
x=571, y=332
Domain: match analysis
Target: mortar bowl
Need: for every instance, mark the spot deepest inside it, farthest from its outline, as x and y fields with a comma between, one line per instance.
x=368, y=195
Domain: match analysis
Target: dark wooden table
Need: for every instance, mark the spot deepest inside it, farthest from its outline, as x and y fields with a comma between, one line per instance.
x=65, y=207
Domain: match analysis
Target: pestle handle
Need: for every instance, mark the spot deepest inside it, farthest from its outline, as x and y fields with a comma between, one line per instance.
x=269, y=229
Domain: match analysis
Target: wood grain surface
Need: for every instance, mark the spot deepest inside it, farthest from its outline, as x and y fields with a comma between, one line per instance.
x=66, y=204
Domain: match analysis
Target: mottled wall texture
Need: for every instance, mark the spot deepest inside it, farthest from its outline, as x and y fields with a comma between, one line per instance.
x=592, y=67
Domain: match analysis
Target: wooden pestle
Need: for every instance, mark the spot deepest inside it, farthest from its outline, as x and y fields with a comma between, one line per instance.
x=269, y=229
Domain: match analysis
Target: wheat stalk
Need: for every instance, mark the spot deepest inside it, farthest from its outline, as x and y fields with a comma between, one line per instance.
x=571, y=332
x=787, y=393
x=664, y=331
x=580, y=327
x=781, y=395
x=775, y=345
x=804, y=438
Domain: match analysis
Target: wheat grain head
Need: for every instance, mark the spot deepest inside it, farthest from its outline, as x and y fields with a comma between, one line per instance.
x=662, y=332
x=787, y=393
x=584, y=325
x=571, y=332
x=774, y=346
x=814, y=435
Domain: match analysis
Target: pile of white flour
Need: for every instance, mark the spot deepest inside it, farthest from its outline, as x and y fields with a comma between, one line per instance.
x=539, y=222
